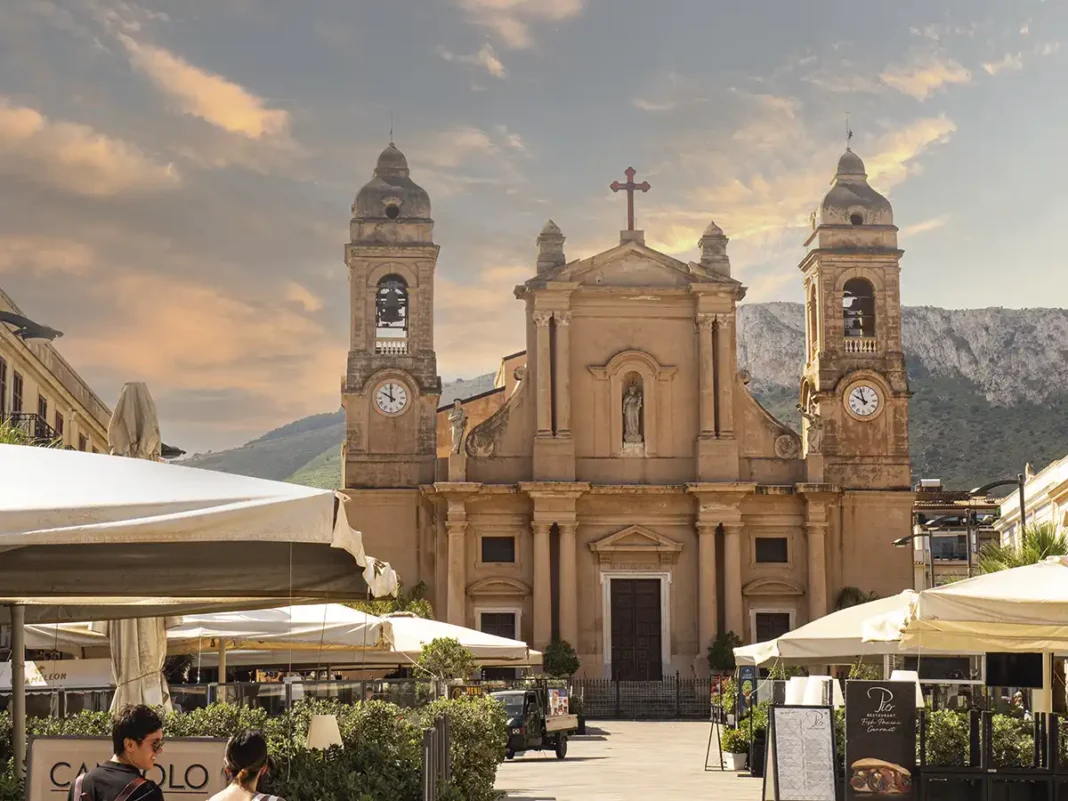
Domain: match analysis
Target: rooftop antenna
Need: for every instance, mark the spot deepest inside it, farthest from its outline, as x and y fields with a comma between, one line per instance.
x=849, y=132
x=391, y=127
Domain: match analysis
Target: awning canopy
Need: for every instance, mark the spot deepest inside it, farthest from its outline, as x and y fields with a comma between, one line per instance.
x=1024, y=609
x=88, y=536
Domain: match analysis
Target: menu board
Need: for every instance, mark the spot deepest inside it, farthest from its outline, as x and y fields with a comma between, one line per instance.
x=800, y=754
x=880, y=740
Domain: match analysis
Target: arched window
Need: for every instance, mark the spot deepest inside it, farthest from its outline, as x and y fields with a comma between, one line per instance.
x=391, y=315
x=813, y=326
x=858, y=308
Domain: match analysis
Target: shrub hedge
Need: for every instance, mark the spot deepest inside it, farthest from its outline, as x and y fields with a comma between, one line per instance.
x=381, y=760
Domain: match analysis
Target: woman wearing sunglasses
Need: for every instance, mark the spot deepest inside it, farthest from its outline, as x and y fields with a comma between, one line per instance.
x=246, y=763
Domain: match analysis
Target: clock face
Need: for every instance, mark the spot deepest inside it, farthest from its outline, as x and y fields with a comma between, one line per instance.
x=863, y=400
x=391, y=397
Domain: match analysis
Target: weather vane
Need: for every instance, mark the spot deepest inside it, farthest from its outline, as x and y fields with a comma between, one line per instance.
x=849, y=132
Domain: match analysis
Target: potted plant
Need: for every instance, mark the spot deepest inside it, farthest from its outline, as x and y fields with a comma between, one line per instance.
x=734, y=748
x=721, y=653
x=561, y=662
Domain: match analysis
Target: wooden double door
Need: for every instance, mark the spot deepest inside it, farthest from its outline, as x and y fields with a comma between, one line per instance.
x=636, y=634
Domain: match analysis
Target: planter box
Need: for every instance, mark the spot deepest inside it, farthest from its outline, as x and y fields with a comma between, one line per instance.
x=734, y=762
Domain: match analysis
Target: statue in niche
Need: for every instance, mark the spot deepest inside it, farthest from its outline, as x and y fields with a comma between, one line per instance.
x=814, y=430
x=632, y=415
x=458, y=423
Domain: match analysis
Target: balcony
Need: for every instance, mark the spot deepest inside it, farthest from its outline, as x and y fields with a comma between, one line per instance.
x=391, y=346
x=864, y=345
x=35, y=427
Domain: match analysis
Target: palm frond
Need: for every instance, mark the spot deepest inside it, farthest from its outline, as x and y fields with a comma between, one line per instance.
x=1036, y=542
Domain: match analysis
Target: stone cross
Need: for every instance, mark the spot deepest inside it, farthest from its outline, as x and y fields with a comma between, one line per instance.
x=630, y=186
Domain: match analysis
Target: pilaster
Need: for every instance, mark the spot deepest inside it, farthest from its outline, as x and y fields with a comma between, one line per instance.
x=456, y=495
x=562, y=374
x=544, y=374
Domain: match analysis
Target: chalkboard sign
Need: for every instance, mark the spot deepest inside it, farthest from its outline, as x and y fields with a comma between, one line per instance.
x=800, y=756
x=880, y=740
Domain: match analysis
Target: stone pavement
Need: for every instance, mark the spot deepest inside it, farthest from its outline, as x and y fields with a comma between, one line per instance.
x=627, y=761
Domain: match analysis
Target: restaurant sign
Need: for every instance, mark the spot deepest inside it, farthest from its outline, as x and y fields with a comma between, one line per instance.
x=880, y=740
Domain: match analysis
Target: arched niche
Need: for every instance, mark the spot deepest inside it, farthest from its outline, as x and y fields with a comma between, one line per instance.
x=613, y=379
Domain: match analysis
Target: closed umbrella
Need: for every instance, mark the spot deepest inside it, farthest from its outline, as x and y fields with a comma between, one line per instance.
x=138, y=645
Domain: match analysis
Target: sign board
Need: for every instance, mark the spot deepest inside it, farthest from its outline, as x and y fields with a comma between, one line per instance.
x=186, y=768
x=61, y=674
x=880, y=740
x=557, y=701
x=747, y=689
x=800, y=757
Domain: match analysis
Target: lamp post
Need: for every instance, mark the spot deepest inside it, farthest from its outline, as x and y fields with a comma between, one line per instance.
x=26, y=329
x=903, y=542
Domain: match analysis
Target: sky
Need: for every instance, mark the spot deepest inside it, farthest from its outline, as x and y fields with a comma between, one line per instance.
x=176, y=178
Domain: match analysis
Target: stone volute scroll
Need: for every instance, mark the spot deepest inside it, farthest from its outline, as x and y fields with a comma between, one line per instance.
x=458, y=424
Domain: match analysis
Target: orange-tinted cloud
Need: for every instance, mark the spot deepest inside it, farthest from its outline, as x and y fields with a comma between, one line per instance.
x=925, y=75
x=75, y=158
x=45, y=255
x=203, y=94
x=511, y=19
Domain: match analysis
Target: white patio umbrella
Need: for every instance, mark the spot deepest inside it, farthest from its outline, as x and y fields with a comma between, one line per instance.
x=837, y=638
x=138, y=645
x=1022, y=610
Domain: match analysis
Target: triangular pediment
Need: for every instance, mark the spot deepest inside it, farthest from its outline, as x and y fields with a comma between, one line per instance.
x=632, y=265
x=637, y=540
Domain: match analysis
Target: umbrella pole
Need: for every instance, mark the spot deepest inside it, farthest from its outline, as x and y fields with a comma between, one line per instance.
x=18, y=688
x=222, y=662
x=1043, y=702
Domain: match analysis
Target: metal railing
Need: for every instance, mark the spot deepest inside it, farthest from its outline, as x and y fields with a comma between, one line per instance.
x=437, y=761
x=34, y=426
x=672, y=698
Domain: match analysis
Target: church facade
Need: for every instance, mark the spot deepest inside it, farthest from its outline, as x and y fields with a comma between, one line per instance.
x=625, y=492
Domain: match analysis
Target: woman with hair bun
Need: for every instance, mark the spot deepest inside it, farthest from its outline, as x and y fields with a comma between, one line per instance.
x=245, y=764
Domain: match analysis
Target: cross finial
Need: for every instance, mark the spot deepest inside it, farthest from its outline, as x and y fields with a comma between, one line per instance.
x=391, y=127
x=849, y=132
x=630, y=186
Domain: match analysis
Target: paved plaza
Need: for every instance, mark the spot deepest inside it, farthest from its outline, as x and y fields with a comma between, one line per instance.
x=627, y=761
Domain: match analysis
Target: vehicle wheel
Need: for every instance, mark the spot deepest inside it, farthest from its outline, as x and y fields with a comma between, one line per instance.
x=561, y=746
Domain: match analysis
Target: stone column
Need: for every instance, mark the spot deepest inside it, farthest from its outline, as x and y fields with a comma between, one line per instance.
x=568, y=585
x=456, y=526
x=726, y=373
x=732, y=578
x=707, y=601
x=706, y=368
x=562, y=378
x=543, y=610
x=817, y=565
x=544, y=367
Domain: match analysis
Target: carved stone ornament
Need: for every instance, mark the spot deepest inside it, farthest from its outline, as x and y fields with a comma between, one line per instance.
x=480, y=443
x=562, y=318
x=457, y=423
x=787, y=446
x=541, y=319
x=705, y=321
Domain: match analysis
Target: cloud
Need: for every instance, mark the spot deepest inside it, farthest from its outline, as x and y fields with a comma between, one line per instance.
x=302, y=296
x=511, y=19
x=932, y=224
x=1025, y=29
x=75, y=158
x=925, y=75
x=485, y=58
x=1009, y=62
x=669, y=91
x=652, y=105
x=210, y=97
x=450, y=148
x=40, y=254
x=1048, y=48
x=513, y=140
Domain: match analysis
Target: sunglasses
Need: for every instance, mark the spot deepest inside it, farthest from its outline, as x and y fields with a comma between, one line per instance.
x=157, y=745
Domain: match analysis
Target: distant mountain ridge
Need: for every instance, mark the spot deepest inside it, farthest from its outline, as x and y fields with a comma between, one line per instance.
x=990, y=394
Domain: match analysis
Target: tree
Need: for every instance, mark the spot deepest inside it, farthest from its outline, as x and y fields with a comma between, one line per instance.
x=12, y=434
x=721, y=652
x=853, y=596
x=412, y=601
x=1037, y=541
x=445, y=658
x=560, y=660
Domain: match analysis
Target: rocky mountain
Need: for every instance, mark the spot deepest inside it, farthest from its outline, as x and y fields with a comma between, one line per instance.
x=990, y=395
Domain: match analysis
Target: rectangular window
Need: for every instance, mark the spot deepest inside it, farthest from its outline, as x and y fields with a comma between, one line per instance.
x=42, y=408
x=16, y=392
x=770, y=625
x=59, y=424
x=83, y=443
x=499, y=624
x=3, y=387
x=498, y=549
x=771, y=550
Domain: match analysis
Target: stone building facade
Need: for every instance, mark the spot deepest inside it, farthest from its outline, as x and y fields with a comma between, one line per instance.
x=626, y=492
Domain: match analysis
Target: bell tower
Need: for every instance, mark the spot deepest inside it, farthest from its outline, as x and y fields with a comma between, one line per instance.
x=391, y=387
x=854, y=390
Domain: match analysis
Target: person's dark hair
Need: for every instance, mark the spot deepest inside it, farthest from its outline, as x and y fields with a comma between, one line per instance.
x=134, y=722
x=246, y=754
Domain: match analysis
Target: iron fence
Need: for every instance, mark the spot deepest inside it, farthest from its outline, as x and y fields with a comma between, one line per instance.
x=672, y=698
x=437, y=762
